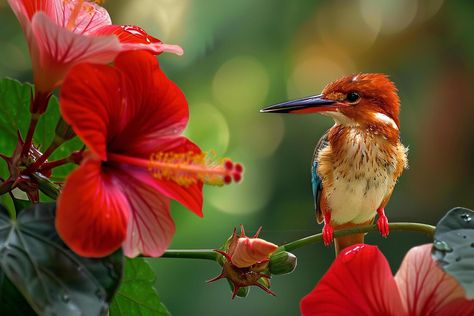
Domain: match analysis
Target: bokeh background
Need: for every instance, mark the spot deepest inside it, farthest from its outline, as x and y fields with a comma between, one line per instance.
x=242, y=55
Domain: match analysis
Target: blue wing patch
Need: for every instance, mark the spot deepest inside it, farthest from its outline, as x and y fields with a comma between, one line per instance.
x=316, y=181
x=317, y=185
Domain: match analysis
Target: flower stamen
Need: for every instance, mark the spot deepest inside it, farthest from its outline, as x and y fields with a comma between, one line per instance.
x=71, y=23
x=186, y=168
x=190, y=168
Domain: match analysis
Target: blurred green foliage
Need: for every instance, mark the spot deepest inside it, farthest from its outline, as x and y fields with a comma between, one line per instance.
x=243, y=55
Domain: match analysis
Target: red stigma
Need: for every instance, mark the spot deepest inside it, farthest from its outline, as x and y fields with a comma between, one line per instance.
x=228, y=164
x=237, y=177
x=227, y=179
x=239, y=168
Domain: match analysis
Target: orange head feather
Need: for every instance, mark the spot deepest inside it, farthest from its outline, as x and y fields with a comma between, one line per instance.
x=362, y=99
x=376, y=94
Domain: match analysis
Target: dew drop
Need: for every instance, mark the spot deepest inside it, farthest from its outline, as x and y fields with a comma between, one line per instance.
x=65, y=298
x=466, y=217
x=442, y=246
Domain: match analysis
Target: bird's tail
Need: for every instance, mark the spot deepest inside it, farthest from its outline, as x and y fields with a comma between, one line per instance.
x=345, y=241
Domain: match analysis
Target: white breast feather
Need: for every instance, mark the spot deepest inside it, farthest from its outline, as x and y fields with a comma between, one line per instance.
x=362, y=181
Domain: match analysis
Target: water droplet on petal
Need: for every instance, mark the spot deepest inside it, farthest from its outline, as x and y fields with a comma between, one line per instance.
x=466, y=217
x=65, y=298
x=350, y=254
x=442, y=246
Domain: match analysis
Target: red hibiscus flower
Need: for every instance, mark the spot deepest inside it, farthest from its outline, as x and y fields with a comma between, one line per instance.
x=360, y=282
x=131, y=117
x=62, y=33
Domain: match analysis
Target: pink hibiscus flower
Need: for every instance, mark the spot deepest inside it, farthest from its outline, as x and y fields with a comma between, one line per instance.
x=63, y=33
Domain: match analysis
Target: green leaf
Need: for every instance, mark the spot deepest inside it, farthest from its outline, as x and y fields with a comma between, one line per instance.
x=453, y=247
x=136, y=295
x=14, y=115
x=52, y=278
x=12, y=303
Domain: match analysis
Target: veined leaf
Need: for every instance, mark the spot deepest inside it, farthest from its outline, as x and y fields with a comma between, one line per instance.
x=52, y=278
x=453, y=247
x=136, y=295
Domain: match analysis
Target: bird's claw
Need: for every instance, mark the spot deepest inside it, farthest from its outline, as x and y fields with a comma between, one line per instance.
x=382, y=224
x=328, y=234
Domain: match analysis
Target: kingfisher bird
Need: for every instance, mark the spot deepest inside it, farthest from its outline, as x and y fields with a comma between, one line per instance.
x=357, y=162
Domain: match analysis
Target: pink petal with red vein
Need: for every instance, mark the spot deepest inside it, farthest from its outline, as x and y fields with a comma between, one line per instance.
x=25, y=9
x=56, y=50
x=92, y=211
x=135, y=38
x=359, y=282
x=92, y=103
x=90, y=17
x=457, y=307
x=150, y=227
x=424, y=287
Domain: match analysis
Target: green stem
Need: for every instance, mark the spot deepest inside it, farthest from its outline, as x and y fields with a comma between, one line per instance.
x=416, y=227
x=57, y=141
x=209, y=254
x=190, y=254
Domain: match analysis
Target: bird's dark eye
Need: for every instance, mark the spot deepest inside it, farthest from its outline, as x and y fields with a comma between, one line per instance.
x=352, y=97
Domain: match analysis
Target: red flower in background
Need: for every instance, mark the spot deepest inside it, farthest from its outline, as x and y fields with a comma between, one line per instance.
x=131, y=117
x=63, y=33
x=360, y=282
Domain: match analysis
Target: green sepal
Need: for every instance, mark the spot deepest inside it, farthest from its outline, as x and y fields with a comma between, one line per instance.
x=282, y=262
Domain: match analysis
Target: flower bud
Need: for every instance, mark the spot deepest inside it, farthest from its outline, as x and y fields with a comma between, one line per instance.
x=244, y=262
x=282, y=262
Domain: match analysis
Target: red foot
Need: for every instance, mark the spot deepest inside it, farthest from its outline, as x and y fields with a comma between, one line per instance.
x=328, y=230
x=382, y=223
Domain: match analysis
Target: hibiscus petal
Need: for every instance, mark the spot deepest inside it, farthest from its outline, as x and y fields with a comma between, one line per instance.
x=91, y=102
x=359, y=282
x=150, y=227
x=424, y=287
x=56, y=50
x=458, y=307
x=92, y=211
x=156, y=107
x=135, y=38
x=27, y=8
x=85, y=19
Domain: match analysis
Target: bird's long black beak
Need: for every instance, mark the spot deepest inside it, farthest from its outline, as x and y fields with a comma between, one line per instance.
x=311, y=104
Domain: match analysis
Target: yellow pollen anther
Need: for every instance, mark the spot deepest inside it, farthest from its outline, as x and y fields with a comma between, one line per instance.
x=71, y=23
x=76, y=10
